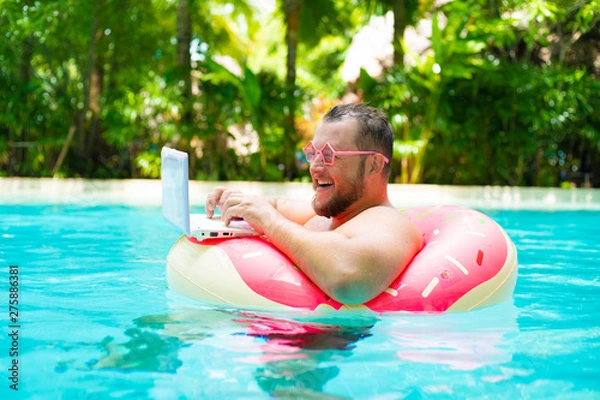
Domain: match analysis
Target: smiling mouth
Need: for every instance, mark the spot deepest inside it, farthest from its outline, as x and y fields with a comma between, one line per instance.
x=323, y=184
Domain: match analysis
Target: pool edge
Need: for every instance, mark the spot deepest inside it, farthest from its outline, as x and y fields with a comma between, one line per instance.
x=147, y=192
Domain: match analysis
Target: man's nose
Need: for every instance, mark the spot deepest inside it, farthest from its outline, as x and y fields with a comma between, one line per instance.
x=318, y=161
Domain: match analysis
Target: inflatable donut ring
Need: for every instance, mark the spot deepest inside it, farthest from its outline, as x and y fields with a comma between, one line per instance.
x=467, y=261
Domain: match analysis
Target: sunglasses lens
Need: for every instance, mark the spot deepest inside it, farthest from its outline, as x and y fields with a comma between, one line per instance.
x=328, y=154
x=309, y=152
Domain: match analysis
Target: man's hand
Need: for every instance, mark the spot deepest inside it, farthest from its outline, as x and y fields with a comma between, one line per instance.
x=217, y=198
x=233, y=204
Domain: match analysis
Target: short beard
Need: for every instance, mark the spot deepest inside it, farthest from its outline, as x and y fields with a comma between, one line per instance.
x=341, y=202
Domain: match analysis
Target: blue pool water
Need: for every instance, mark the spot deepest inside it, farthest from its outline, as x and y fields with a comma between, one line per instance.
x=96, y=320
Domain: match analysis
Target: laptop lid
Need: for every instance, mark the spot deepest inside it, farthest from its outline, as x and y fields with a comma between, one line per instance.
x=176, y=202
x=174, y=181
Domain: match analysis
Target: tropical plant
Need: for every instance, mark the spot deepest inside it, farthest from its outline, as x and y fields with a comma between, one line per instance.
x=467, y=113
x=506, y=94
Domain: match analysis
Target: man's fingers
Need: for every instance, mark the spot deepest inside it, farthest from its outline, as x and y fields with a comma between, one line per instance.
x=221, y=198
x=213, y=200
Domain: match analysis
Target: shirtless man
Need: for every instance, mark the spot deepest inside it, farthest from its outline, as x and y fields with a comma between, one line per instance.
x=351, y=241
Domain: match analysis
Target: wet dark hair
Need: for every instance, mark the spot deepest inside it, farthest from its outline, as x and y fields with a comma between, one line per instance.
x=374, y=129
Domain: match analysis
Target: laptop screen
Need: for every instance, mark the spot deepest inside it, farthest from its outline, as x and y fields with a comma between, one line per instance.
x=175, y=196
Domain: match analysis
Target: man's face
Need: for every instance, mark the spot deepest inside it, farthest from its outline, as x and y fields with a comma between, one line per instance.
x=338, y=186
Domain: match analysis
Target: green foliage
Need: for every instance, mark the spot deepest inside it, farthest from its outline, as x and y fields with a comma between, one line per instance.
x=466, y=115
x=149, y=164
x=504, y=95
x=320, y=71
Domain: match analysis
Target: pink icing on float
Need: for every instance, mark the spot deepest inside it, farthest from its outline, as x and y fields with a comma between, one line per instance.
x=467, y=261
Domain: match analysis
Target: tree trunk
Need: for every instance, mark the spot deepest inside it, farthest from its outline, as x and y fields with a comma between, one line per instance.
x=416, y=175
x=64, y=150
x=95, y=96
x=18, y=156
x=291, y=9
x=184, y=38
x=400, y=24
x=82, y=140
x=493, y=9
x=184, y=67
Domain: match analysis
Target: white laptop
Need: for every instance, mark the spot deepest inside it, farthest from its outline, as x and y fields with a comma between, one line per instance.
x=176, y=203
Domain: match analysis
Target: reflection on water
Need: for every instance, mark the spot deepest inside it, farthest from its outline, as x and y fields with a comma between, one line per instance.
x=289, y=357
x=144, y=351
x=153, y=344
x=461, y=341
x=305, y=357
x=297, y=355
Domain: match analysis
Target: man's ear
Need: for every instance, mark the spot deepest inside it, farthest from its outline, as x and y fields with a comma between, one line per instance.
x=377, y=164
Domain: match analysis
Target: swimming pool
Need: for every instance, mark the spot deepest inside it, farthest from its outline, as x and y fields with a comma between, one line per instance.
x=96, y=320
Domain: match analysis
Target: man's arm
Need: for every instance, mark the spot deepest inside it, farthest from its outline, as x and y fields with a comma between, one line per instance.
x=353, y=263
x=294, y=210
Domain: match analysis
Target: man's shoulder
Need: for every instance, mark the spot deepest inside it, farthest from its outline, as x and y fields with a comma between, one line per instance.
x=387, y=224
x=381, y=211
x=377, y=217
x=384, y=218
